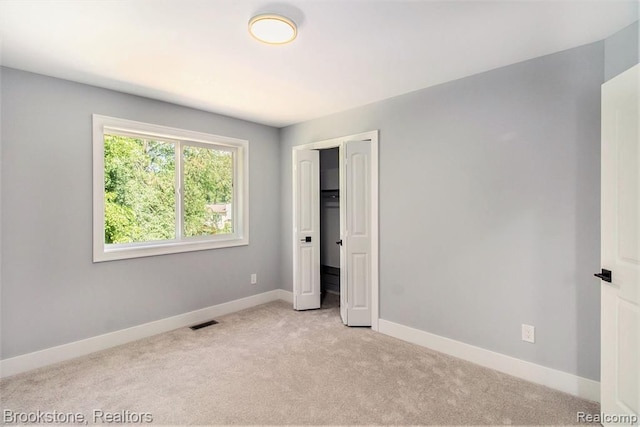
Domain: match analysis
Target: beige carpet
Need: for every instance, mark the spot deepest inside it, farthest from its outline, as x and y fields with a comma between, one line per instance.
x=272, y=365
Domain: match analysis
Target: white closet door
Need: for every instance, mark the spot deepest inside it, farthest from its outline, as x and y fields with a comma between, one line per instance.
x=357, y=233
x=620, y=314
x=306, y=236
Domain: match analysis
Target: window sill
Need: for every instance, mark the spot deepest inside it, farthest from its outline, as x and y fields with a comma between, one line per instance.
x=101, y=254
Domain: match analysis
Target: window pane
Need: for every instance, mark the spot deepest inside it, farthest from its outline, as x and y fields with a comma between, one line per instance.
x=139, y=190
x=208, y=191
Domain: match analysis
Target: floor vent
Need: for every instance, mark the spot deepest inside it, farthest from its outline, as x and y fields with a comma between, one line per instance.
x=203, y=325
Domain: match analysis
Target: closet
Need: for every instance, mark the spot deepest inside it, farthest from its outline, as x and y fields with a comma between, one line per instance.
x=329, y=222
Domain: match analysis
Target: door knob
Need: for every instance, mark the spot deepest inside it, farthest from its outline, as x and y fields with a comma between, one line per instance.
x=605, y=275
x=339, y=242
x=306, y=239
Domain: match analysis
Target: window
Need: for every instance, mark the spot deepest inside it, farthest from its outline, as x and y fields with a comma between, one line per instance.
x=160, y=190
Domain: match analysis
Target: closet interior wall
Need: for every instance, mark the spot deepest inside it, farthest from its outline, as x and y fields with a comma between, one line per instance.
x=330, y=220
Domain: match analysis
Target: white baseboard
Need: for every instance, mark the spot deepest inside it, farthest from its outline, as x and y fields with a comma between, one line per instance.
x=286, y=296
x=60, y=353
x=562, y=381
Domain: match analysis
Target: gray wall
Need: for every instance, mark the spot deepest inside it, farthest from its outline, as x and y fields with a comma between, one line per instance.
x=621, y=51
x=52, y=293
x=489, y=206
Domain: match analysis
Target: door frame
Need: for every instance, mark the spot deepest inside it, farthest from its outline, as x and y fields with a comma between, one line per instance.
x=372, y=137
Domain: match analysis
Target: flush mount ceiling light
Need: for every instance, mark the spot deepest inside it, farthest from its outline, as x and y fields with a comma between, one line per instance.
x=272, y=29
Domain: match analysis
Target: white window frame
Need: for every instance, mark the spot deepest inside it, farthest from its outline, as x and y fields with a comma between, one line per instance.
x=240, y=213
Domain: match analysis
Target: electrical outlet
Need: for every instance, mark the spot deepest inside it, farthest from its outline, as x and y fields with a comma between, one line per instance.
x=528, y=333
x=254, y=278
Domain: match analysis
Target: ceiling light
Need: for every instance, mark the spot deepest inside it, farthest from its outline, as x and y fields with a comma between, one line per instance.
x=272, y=29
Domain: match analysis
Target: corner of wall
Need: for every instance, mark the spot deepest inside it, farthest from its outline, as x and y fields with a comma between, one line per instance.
x=621, y=51
x=280, y=249
x=285, y=197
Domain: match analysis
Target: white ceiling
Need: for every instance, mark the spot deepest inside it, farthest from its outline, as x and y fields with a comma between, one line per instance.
x=348, y=53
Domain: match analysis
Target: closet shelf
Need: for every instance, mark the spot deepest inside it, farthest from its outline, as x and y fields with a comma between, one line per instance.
x=330, y=198
x=330, y=194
